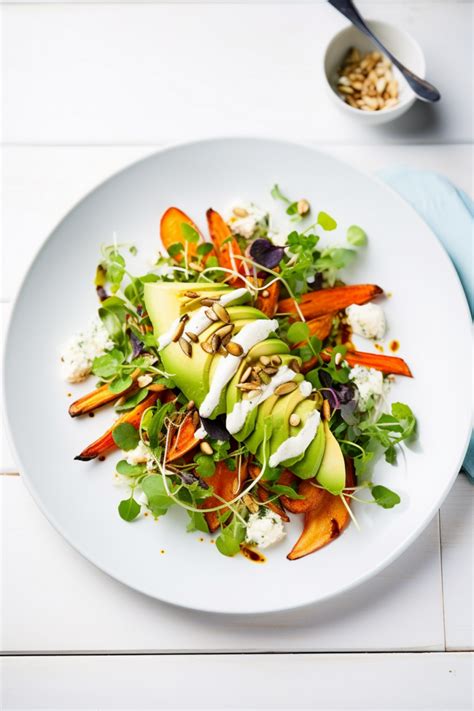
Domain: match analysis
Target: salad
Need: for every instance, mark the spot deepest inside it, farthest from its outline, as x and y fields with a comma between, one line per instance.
x=240, y=396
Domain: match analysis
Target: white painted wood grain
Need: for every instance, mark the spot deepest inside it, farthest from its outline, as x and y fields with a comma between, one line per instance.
x=344, y=682
x=458, y=565
x=43, y=184
x=78, y=608
x=147, y=73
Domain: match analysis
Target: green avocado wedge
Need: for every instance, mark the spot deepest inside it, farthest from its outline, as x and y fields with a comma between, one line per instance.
x=303, y=410
x=281, y=416
x=309, y=465
x=332, y=471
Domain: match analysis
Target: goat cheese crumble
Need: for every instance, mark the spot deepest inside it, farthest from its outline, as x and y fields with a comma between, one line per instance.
x=264, y=530
x=79, y=352
x=370, y=385
x=367, y=320
x=250, y=223
x=141, y=455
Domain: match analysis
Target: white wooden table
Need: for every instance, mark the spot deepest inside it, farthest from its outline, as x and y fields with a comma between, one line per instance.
x=88, y=88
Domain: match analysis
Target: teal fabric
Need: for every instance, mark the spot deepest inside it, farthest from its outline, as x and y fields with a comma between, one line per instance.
x=449, y=212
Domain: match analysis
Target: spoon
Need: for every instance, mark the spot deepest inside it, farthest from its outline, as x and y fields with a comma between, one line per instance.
x=422, y=88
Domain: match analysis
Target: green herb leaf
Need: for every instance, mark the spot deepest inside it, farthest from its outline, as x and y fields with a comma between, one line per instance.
x=327, y=222
x=229, y=540
x=356, y=236
x=129, y=509
x=385, y=497
x=108, y=365
x=125, y=436
x=197, y=522
x=155, y=425
x=298, y=331
x=189, y=233
x=132, y=401
x=125, y=469
x=121, y=383
x=204, y=249
x=286, y=491
x=205, y=465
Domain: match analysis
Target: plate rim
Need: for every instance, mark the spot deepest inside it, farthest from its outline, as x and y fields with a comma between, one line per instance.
x=355, y=582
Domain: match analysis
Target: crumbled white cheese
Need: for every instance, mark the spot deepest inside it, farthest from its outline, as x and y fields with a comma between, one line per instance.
x=140, y=455
x=370, y=385
x=367, y=320
x=264, y=530
x=248, y=226
x=79, y=352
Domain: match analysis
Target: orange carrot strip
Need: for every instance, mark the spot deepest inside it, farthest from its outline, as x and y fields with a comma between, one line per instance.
x=225, y=244
x=227, y=486
x=171, y=231
x=269, y=304
x=325, y=522
x=319, y=327
x=325, y=301
x=386, y=364
x=106, y=443
x=99, y=397
x=184, y=440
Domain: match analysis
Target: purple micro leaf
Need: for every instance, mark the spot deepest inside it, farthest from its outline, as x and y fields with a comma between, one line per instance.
x=265, y=253
x=216, y=428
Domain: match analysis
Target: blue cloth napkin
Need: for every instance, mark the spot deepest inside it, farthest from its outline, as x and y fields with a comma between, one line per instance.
x=449, y=212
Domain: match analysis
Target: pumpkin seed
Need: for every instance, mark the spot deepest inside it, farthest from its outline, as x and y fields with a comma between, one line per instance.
x=246, y=374
x=294, y=365
x=269, y=370
x=225, y=330
x=250, y=503
x=190, y=405
x=178, y=332
x=206, y=347
x=206, y=448
x=248, y=386
x=192, y=336
x=221, y=312
x=211, y=315
x=295, y=420
x=186, y=347
x=286, y=388
x=234, y=348
x=275, y=360
x=195, y=418
x=207, y=301
x=215, y=342
x=191, y=294
x=222, y=351
x=240, y=212
x=264, y=360
x=226, y=339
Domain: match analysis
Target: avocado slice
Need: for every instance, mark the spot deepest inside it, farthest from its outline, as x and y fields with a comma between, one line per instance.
x=303, y=410
x=308, y=466
x=163, y=300
x=281, y=415
x=332, y=471
x=263, y=414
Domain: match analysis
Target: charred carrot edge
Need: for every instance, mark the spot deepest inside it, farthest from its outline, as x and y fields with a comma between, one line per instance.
x=99, y=397
x=386, y=364
x=184, y=441
x=324, y=523
x=313, y=498
x=269, y=304
x=171, y=232
x=106, y=443
x=224, y=483
x=225, y=247
x=325, y=301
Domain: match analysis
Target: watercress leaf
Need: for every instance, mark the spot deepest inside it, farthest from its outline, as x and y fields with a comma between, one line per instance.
x=313, y=377
x=316, y=345
x=204, y=249
x=125, y=469
x=132, y=401
x=385, y=497
x=159, y=505
x=175, y=249
x=212, y=262
x=125, y=436
x=327, y=222
x=153, y=485
x=121, y=383
x=305, y=353
x=129, y=509
x=391, y=454
x=286, y=491
x=108, y=365
x=156, y=423
x=189, y=233
x=197, y=522
x=356, y=236
x=205, y=465
x=298, y=331
x=292, y=209
x=227, y=545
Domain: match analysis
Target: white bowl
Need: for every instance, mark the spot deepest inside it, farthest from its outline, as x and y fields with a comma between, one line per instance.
x=403, y=47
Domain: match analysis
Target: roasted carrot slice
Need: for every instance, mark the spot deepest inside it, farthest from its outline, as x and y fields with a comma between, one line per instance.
x=171, y=231
x=92, y=401
x=225, y=244
x=313, y=498
x=319, y=327
x=325, y=301
x=268, y=304
x=106, y=443
x=227, y=485
x=323, y=523
x=184, y=440
x=386, y=364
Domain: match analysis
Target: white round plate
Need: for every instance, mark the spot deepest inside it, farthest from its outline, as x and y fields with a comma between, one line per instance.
x=427, y=313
